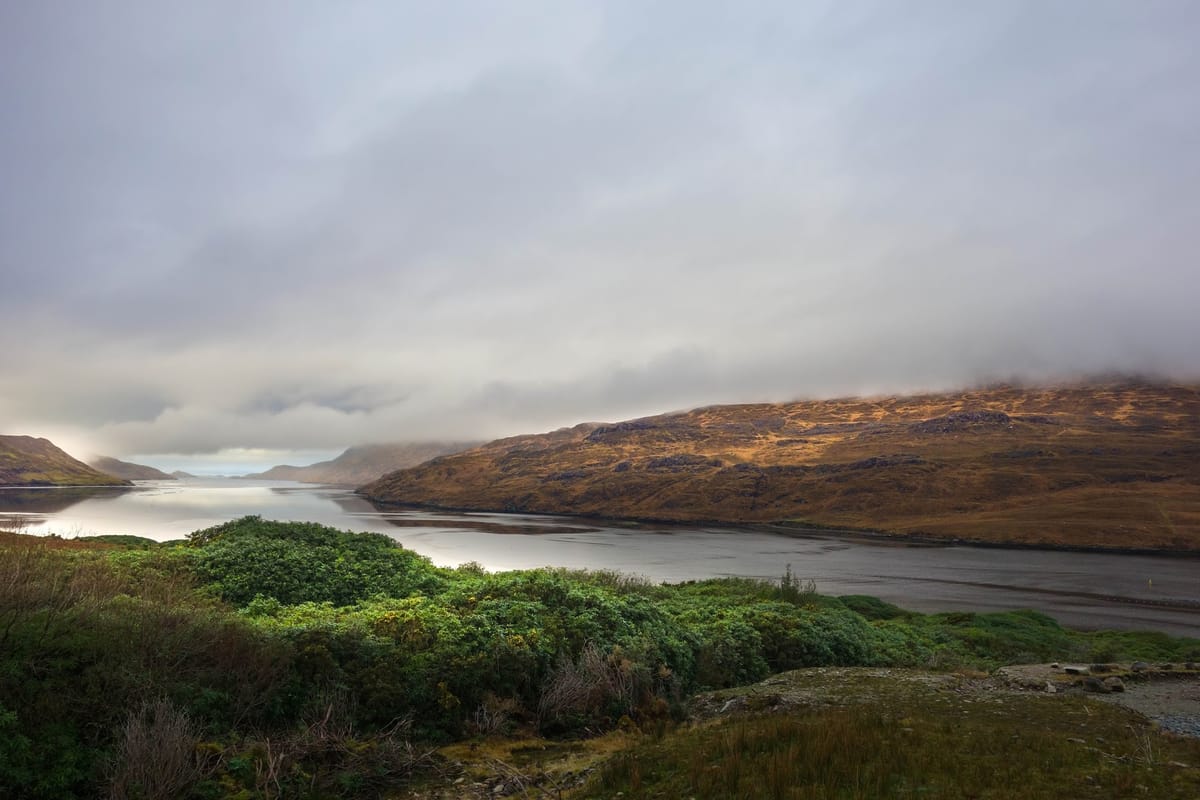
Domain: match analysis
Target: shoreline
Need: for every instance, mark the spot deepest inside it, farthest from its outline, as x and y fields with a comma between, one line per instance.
x=787, y=528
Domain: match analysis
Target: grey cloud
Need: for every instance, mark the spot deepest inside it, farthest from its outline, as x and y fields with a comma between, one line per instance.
x=345, y=399
x=304, y=226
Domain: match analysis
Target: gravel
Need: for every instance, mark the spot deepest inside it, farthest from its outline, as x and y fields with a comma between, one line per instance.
x=1172, y=702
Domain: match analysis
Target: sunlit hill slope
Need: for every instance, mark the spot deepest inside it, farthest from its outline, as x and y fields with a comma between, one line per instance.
x=30, y=461
x=1114, y=465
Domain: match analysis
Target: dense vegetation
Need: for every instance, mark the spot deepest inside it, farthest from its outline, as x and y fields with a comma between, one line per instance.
x=262, y=659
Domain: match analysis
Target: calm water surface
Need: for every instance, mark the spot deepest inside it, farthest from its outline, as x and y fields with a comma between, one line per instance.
x=1085, y=590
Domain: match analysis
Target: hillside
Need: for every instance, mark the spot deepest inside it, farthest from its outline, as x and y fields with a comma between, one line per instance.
x=30, y=461
x=128, y=470
x=1114, y=465
x=359, y=465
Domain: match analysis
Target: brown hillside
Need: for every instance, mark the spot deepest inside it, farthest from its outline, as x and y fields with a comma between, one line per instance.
x=129, y=470
x=1114, y=465
x=29, y=461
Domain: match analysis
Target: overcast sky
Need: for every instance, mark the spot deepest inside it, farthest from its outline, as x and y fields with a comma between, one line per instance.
x=258, y=232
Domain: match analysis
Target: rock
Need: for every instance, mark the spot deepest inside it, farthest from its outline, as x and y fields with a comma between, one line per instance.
x=1051, y=688
x=1100, y=668
x=1114, y=684
x=1076, y=740
x=1166, y=667
x=734, y=704
x=1139, y=666
x=1190, y=665
x=1054, y=665
x=1093, y=684
x=1075, y=670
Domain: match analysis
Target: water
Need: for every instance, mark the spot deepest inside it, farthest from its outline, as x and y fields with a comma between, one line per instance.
x=1086, y=590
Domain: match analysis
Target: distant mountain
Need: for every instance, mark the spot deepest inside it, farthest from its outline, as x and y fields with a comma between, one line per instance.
x=365, y=463
x=180, y=474
x=128, y=470
x=1113, y=465
x=30, y=461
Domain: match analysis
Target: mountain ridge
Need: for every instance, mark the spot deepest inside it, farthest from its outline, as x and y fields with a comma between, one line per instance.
x=363, y=463
x=1114, y=465
x=35, y=461
x=128, y=470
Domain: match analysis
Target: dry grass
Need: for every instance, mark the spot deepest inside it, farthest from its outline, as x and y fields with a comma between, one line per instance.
x=909, y=743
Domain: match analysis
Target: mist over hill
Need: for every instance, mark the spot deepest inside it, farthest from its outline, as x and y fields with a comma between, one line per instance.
x=1108, y=465
x=364, y=463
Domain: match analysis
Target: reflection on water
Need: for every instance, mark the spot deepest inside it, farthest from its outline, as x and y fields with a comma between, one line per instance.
x=41, y=501
x=165, y=510
x=1083, y=589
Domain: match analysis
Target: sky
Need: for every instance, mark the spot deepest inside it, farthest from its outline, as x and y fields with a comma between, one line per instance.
x=237, y=234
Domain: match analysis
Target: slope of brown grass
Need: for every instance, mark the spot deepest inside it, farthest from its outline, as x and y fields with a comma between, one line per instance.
x=1114, y=465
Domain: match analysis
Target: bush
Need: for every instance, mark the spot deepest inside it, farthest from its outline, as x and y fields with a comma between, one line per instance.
x=156, y=756
x=296, y=562
x=593, y=688
x=872, y=607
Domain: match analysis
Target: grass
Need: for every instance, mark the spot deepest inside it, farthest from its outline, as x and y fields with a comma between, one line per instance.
x=911, y=741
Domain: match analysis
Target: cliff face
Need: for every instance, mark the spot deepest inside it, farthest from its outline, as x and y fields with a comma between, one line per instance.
x=364, y=463
x=129, y=470
x=1112, y=465
x=30, y=461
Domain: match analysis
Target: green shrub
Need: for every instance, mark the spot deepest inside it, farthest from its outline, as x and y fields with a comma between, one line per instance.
x=872, y=607
x=298, y=562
